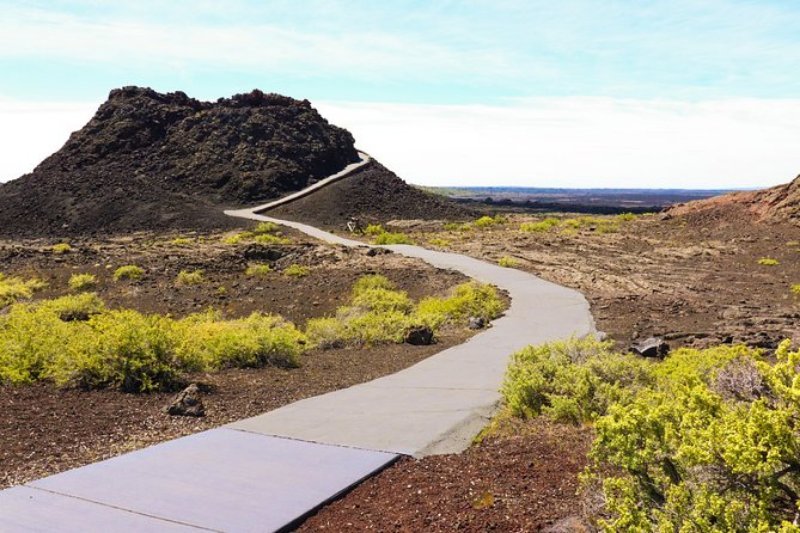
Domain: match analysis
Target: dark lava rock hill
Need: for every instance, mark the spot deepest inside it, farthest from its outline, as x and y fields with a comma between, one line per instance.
x=166, y=161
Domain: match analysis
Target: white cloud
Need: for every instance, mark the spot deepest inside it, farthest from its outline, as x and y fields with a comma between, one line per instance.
x=563, y=142
x=30, y=131
x=582, y=142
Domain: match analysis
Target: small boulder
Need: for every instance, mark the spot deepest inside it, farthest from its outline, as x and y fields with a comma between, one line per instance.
x=652, y=347
x=419, y=335
x=187, y=403
x=476, y=322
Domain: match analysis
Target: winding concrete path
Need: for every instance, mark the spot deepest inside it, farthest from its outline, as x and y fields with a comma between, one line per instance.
x=267, y=472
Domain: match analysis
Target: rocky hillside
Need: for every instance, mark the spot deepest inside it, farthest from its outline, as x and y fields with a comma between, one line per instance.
x=166, y=161
x=776, y=204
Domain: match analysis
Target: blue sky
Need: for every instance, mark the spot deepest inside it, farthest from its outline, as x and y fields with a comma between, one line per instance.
x=503, y=66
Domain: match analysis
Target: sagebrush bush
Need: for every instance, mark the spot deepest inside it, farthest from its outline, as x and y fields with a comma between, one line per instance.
x=190, y=277
x=488, y=222
x=706, y=440
x=73, y=307
x=209, y=343
x=794, y=289
x=539, y=226
x=768, y=261
x=265, y=227
x=296, y=271
x=258, y=270
x=392, y=238
x=507, y=262
x=130, y=272
x=379, y=313
x=237, y=238
x=374, y=229
x=268, y=238
x=82, y=282
x=75, y=341
x=13, y=288
x=182, y=241
x=61, y=248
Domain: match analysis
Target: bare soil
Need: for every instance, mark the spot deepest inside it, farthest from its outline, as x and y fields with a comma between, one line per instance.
x=522, y=480
x=44, y=430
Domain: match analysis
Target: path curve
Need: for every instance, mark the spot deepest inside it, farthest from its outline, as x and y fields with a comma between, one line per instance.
x=268, y=472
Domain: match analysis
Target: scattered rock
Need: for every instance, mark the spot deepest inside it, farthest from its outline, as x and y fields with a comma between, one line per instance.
x=476, y=322
x=419, y=336
x=652, y=347
x=187, y=403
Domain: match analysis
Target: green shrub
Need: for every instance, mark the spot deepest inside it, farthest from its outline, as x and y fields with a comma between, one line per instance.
x=82, y=282
x=374, y=229
x=439, y=242
x=488, y=222
x=61, y=248
x=768, y=261
x=507, y=262
x=182, y=241
x=392, y=238
x=75, y=341
x=627, y=217
x=73, y=307
x=458, y=226
x=327, y=333
x=267, y=238
x=209, y=343
x=706, y=440
x=795, y=289
x=265, y=227
x=131, y=272
x=470, y=299
x=238, y=238
x=13, y=289
x=258, y=270
x=372, y=281
x=190, y=277
x=296, y=271
x=382, y=300
x=539, y=226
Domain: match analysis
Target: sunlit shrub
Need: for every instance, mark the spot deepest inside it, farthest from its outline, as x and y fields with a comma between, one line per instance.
x=237, y=238
x=73, y=307
x=182, y=241
x=13, y=288
x=82, y=282
x=61, y=248
x=268, y=238
x=507, y=262
x=768, y=261
x=131, y=272
x=190, y=277
x=374, y=229
x=258, y=270
x=296, y=271
x=372, y=281
x=539, y=226
x=265, y=227
x=392, y=238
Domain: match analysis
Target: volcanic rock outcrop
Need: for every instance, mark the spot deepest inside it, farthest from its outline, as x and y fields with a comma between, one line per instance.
x=148, y=160
x=776, y=204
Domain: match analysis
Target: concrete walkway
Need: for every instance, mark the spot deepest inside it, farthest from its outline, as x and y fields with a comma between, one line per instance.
x=266, y=473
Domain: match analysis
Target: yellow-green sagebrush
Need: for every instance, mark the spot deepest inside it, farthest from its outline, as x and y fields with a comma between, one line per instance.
x=707, y=440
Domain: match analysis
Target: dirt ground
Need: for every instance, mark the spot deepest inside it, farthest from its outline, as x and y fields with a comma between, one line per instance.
x=44, y=430
x=522, y=479
x=695, y=285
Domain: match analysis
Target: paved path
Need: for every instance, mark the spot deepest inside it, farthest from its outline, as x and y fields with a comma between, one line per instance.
x=266, y=472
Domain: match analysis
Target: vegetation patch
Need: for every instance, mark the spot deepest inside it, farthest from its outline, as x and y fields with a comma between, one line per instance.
x=539, y=226
x=129, y=272
x=768, y=261
x=296, y=271
x=82, y=282
x=182, y=241
x=258, y=270
x=507, y=261
x=13, y=288
x=190, y=277
x=76, y=341
x=488, y=222
x=706, y=440
x=392, y=238
x=264, y=233
x=378, y=313
x=61, y=248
